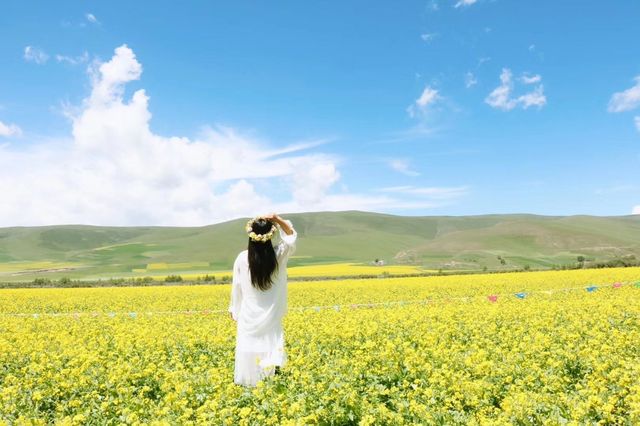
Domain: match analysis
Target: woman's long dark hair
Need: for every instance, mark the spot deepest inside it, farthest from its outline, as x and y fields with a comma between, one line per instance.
x=262, y=257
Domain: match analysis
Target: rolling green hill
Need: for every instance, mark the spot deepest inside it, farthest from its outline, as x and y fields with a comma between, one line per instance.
x=448, y=242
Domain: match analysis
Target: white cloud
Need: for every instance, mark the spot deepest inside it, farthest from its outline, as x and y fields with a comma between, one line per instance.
x=428, y=37
x=535, y=98
x=402, y=166
x=428, y=97
x=33, y=54
x=461, y=3
x=8, y=130
x=108, y=78
x=73, y=60
x=91, y=18
x=311, y=179
x=636, y=210
x=626, y=100
x=531, y=79
x=114, y=170
x=470, y=79
x=501, y=96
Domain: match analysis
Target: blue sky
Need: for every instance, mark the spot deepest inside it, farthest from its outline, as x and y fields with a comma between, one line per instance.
x=413, y=108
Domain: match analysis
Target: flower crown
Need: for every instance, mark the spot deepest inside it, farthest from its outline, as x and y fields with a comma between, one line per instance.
x=263, y=238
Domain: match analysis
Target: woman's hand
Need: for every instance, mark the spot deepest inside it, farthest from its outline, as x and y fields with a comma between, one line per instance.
x=277, y=220
x=271, y=216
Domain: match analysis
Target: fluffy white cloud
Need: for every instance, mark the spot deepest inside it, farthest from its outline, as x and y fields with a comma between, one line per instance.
x=33, y=54
x=627, y=99
x=428, y=97
x=636, y=210
x=311, y=179
x=113, y=170
x=7, y=130
x=402, y=166
x=501, y=96
x=461, y=3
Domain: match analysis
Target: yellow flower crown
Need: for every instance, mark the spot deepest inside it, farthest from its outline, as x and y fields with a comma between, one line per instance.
x=263, y=238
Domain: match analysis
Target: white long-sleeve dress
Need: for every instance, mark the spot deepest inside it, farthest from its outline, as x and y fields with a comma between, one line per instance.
x=260, y=337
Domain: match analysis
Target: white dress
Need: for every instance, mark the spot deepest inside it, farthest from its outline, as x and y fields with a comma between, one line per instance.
x=260, y=337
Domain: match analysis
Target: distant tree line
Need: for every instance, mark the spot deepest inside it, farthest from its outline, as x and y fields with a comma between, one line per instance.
x=617, y=262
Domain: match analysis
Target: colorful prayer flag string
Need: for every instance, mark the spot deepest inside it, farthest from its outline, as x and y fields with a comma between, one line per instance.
x=492, y=298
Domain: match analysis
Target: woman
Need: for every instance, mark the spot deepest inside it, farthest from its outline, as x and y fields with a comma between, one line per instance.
x=259, y=299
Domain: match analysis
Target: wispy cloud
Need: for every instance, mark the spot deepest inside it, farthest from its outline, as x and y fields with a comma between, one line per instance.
x=626, y=100
x=402, y=166
x=531, y=79
x=300, y=146
x=73, y=60
x=428, y=37
x=464, y=3
x=501, y=97
x=8, y=130
x=33, y=54
x=470, y=80
x=428, y=97
x=91, y=18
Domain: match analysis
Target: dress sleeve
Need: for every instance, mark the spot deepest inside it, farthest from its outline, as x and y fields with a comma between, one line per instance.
x=287, y=245
x=236, y=292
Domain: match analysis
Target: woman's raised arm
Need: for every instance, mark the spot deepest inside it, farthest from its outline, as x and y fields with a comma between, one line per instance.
x=283, y=223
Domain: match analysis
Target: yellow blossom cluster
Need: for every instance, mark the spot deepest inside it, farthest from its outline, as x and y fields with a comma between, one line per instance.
x=560, y=355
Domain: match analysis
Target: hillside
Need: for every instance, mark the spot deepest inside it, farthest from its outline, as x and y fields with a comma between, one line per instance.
x=450, y=242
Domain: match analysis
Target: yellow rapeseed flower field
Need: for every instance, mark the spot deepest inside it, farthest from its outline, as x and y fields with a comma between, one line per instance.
x=344, y=269
x=448, y=354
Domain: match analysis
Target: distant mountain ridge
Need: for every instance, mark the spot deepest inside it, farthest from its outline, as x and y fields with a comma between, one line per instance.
x=456, y=242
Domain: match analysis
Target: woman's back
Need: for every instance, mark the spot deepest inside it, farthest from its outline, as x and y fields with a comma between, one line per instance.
x=259, y=311
x=277, y=294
